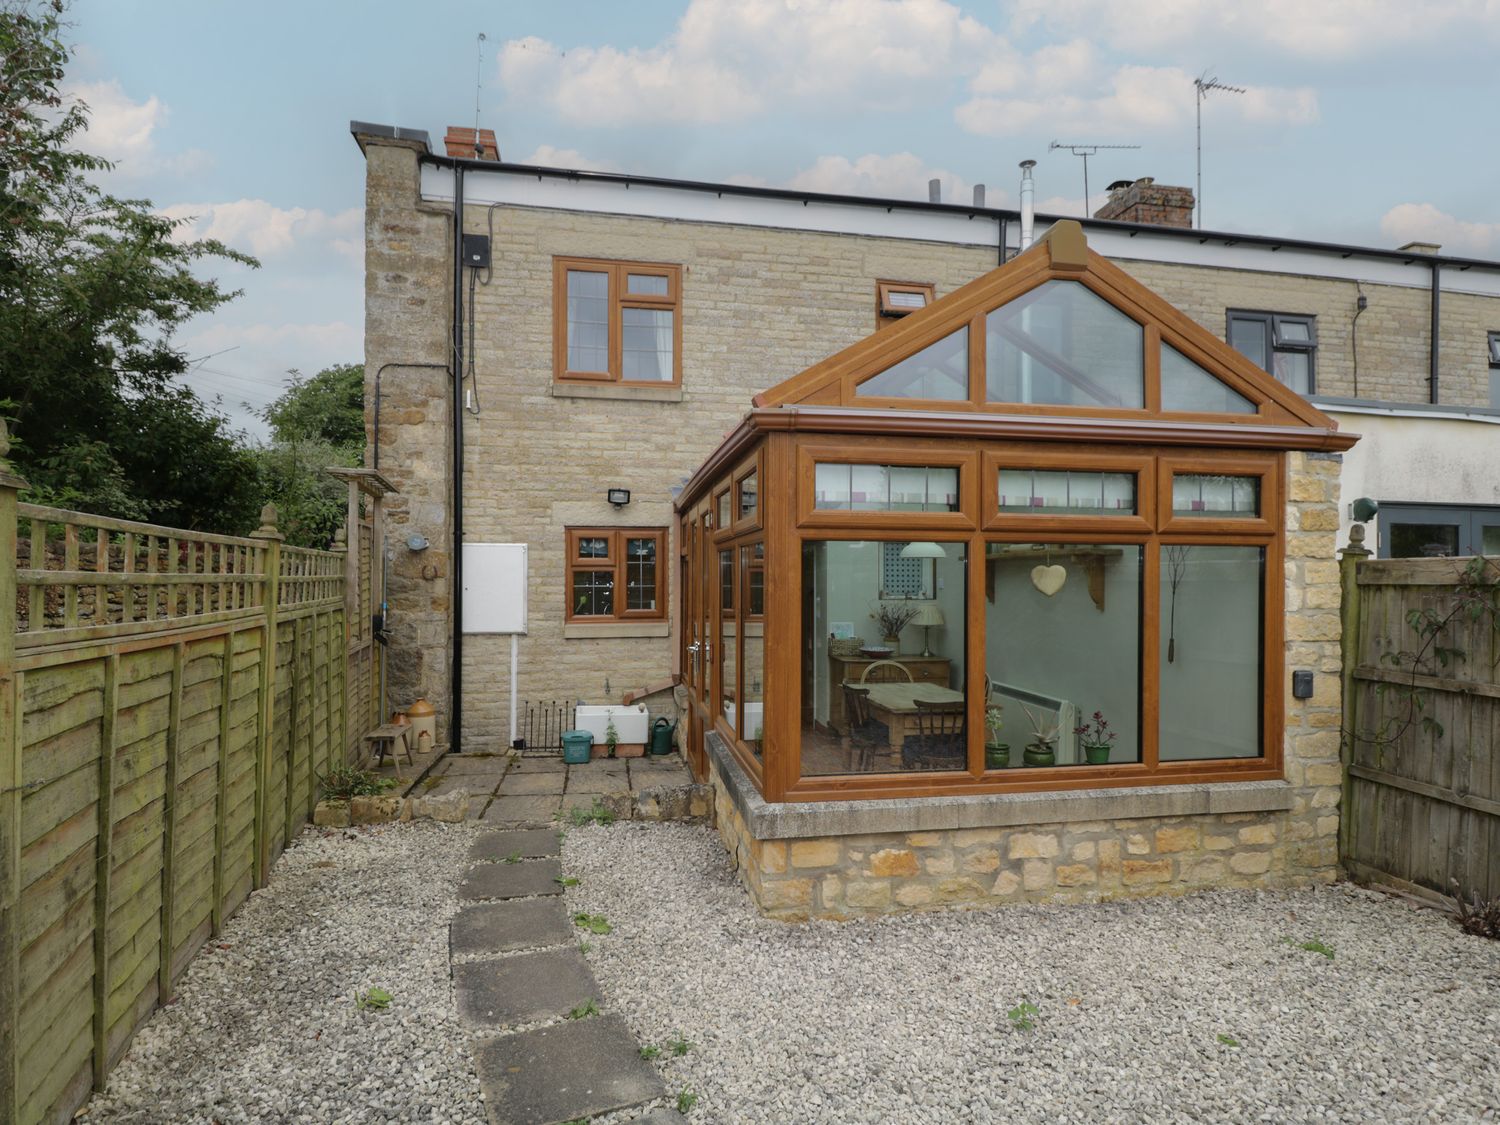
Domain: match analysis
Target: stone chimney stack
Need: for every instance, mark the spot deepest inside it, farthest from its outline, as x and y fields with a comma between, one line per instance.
x=471, y=144
x=1146, y=201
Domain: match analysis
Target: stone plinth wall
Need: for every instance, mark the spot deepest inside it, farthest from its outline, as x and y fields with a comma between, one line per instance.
x=1082, y=861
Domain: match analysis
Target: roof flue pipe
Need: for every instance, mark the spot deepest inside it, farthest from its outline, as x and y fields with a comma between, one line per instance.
x=1028, y=206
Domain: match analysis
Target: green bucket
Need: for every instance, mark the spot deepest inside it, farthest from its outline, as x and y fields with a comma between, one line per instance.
x=577, y=745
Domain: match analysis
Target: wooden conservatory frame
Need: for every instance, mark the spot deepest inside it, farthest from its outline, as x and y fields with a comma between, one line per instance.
x=819, y=416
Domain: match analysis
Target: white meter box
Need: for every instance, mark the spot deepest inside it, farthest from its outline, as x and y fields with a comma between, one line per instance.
x=494, y=587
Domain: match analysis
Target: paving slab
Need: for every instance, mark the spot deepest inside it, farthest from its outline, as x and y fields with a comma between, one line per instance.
x=511, y=880
x=530, y=842
x=522, y=810
x=569, y=1070
x=524, y=988
x=502, y=927
x=475, y=763
x=659, y=1117
x=550, y=764
x=474, y=784
x=517, y=784
x=579, y=782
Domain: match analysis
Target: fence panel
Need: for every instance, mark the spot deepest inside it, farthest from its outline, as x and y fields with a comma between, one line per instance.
x=169, y=701
x=1422, y=799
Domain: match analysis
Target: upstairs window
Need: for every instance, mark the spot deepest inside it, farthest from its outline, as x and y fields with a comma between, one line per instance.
x=895, y=299
x=1494, y=344
x=617, y=321
x=1283, y=344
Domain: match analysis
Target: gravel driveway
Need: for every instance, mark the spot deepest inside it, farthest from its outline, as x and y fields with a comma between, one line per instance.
x=265, y=1027
x=1198, y=1009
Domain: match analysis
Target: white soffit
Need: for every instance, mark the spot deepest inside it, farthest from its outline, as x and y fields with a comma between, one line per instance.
x=959, y=229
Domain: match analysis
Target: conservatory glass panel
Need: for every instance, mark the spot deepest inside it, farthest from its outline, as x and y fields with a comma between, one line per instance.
x=831, y=487
x=1212, y=616
x=1214, y=496
x=1061, y=344
x=939, y=371
x=1067, y=492
x=870, y=488
x=1187, y=387
x=753, y=648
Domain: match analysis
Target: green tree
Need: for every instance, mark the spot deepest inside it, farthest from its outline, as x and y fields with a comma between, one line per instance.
x=92, y=290
x=318, y=422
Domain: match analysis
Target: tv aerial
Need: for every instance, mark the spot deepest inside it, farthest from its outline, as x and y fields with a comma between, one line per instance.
x=1204, y=85
x=1085, y=151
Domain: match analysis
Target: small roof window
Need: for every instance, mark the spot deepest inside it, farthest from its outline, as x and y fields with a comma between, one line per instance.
x=895, y=299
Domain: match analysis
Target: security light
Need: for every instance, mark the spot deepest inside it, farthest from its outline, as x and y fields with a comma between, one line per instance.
x=619, y=497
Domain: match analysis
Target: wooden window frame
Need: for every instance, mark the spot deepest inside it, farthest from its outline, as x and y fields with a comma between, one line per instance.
x=616, y=561
x=886, y=313
x=618, y=299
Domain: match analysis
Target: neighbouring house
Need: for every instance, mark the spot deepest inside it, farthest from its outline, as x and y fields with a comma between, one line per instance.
x=1105, y=472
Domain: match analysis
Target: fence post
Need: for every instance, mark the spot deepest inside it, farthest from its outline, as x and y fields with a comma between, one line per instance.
x=343, y=641
x=10, y=796
x=1349, y=647
x=272, y=538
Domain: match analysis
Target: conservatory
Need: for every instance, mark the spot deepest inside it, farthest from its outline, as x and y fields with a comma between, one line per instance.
x=1003, y=601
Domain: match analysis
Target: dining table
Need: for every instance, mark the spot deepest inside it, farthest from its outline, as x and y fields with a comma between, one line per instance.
x=895, y=705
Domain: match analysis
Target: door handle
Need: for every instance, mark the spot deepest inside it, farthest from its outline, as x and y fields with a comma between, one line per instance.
x=694, y=648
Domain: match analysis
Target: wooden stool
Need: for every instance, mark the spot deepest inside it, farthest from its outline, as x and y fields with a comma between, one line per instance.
x=383, y=741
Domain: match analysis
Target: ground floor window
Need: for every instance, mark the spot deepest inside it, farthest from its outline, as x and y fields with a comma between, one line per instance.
x=1409, y=531
x=616, y=574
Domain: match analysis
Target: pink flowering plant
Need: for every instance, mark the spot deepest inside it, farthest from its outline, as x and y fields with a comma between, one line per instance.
x=1096, y=734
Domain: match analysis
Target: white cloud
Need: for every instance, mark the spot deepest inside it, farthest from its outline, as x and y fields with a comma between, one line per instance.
x=1318, y=29
x=305, y=343
x=728, y=60
x=549, y=156
x=899, y=175
x=124, y=131
x=1131, y=99
x=1422, y=222
x=263, y=229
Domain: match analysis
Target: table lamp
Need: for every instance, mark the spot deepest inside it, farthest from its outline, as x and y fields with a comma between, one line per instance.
x=927, y=616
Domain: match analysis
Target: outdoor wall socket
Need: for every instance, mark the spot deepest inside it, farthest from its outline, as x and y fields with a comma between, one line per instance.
x=1302, y=685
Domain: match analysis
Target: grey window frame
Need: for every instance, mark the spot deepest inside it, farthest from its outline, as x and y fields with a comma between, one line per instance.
x=1471, y=519
x=1271, y=323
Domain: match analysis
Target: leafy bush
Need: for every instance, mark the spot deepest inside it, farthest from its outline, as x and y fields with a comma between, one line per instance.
x=343, y=782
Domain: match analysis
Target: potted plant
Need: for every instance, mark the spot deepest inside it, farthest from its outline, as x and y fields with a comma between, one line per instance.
x=611, y=737
x=996, y=753
x=1096, y=739
x=892, y=617
x=1042, y=749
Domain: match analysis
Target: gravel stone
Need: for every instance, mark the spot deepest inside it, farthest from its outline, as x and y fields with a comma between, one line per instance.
x=905, y=1018
x=265, y=1027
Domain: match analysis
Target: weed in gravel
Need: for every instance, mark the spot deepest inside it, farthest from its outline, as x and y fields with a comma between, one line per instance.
x=565, y=880
x=1228, y=1040
x=373, y=999
x=584, y=1011
x=593, y=923
x=1477, y=917
x=1313, y=946
x=598, y=813
x=650, y=1052
x=1023, y=1016
x=344, y=782
x=679, y=1046
x=686, y=1100
x=584, y=947
x=514, y=857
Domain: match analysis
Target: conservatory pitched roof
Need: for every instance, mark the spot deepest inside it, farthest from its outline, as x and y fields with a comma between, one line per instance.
x=1058, y=331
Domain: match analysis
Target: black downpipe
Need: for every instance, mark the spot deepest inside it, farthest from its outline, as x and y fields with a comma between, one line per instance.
x=456, y=707
x=1437, y=289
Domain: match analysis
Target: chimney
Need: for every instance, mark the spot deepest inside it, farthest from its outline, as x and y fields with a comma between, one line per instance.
x=471, y=144
x=934, y=191
x=1428, y=248
x=978, y=195
x=1028, y=212
x=1146, y=201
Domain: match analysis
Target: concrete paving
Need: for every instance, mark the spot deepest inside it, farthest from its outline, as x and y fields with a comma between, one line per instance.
x=525, y=988
x=528, y=784
x=511, y=880
x=660, y=1117
x=563, y=1072
x=504, y=927
x=504, y=810
x=529, y=843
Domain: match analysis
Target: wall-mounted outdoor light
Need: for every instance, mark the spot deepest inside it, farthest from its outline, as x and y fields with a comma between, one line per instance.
x=619, y=497
x=1363, y=510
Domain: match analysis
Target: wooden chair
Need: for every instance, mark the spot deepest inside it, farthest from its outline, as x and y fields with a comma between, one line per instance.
x=863, y=735
x=886, y=672
x=940, y=742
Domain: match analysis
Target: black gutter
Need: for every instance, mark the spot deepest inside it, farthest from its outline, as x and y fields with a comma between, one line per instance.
x=455, y=731
x=1405, y=257
x=1437, y=293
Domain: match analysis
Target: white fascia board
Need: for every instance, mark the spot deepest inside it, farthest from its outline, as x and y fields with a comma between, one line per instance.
x=482, y=187
x=685, y=205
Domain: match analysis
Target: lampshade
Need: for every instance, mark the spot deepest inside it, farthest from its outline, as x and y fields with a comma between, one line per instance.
x=928, y=614
x=923, y=550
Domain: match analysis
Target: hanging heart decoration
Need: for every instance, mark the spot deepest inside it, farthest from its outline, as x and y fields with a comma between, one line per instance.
x=1049, y=579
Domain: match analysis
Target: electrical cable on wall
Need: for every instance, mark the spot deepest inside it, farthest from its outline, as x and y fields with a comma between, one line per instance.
x=471, y=396
x=1360, y=304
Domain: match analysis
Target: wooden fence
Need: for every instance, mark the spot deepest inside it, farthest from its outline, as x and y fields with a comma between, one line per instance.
x=168, y=700
x=1421, y=798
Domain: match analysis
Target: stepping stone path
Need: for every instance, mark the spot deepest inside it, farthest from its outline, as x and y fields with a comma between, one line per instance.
x=553, y=1069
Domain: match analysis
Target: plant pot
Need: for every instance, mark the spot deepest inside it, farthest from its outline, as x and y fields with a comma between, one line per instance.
x=996, y=755
x=1096, y=755
x=1039, y=754
x=894, y=644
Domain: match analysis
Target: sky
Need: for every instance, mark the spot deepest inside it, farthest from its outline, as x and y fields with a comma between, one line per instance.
x=1361, y=121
